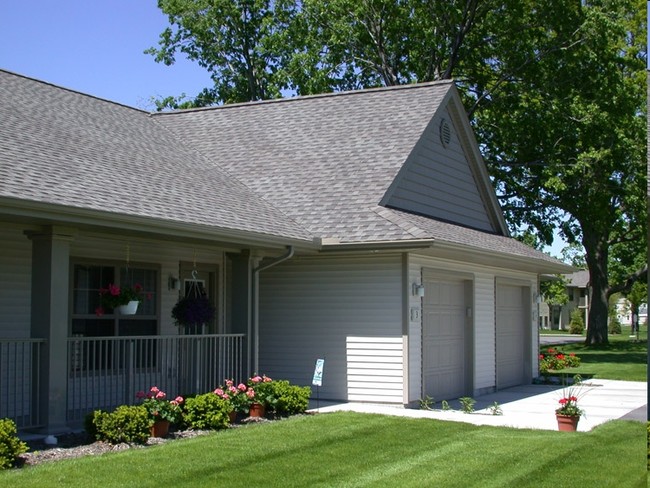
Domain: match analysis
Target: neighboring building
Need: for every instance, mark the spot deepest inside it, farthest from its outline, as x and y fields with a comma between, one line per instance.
x=357, y=227
x=557, y=317
x=624, y=312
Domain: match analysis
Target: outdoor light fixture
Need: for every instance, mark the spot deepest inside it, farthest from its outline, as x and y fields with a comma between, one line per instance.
x=418, y=290
x=173, y=283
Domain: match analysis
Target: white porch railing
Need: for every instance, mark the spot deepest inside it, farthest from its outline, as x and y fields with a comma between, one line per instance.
x=104, y=372
x=19, y=367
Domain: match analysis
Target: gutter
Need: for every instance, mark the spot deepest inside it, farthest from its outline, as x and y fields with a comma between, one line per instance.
x=403, y=245
x=255, y=305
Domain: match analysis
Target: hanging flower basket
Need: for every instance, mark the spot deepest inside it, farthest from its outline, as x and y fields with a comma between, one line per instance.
x=193, y=311
x=123, y=300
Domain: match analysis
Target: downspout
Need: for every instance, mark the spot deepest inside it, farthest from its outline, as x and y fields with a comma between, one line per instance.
x=256, y=301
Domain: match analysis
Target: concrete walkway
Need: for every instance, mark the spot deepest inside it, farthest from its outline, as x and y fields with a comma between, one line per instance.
x=530, y=406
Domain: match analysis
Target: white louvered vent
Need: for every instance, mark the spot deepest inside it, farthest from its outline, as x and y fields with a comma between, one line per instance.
x=445, y=132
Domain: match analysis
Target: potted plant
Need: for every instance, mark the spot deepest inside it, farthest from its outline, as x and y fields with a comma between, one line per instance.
x=240, y=396
x=568, y=414
x=123, y=300
x=192, y=312
x=264, y=393
x=162, y=412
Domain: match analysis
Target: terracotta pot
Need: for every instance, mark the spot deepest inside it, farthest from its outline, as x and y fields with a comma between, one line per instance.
x=256, y=410
x=567, y=423
x=233, y=417
x=160, y=428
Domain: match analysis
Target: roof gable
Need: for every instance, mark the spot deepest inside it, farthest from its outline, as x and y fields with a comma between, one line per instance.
x=326, y=160
x=442, y=176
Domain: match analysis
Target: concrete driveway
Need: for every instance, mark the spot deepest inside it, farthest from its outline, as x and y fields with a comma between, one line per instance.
x=559, y=339
x=531, y=406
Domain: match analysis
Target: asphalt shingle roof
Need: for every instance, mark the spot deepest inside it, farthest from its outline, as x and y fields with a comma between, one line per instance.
x=61, y=147
x=300, y=168
x=325, y=160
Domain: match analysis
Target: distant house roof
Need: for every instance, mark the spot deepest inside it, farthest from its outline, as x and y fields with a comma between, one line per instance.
x=305, y=169
x=579, y=279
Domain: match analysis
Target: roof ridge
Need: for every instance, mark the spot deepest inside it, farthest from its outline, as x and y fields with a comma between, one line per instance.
x=72, y=90
x=299, y=98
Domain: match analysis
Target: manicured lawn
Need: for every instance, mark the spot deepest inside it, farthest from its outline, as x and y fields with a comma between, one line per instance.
x=622, y=359
x=355, y=450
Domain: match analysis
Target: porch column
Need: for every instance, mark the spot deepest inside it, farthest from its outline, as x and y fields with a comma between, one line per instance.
x=242, y=270
x=49, y=311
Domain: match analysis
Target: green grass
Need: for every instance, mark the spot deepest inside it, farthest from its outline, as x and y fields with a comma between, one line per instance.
x=622, y=359
x=357, y=450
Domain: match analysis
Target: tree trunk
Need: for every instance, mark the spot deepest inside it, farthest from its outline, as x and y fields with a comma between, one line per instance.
x=596, y=249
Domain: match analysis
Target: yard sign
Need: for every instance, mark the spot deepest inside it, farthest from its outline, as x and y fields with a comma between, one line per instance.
x=318, y=373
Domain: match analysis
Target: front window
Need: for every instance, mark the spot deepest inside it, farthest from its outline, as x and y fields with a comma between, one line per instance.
x=89, y=279
x=89, y=320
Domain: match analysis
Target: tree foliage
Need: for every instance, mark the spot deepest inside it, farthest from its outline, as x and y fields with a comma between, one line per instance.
x=555, y=90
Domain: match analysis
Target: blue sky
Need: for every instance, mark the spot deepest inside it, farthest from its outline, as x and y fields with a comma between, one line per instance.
x=94, y=46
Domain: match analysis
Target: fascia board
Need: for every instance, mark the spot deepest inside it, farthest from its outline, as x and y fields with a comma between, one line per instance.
x=47, y=213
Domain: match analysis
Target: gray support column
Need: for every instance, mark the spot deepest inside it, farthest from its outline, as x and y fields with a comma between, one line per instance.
x=50, y=285
x=241, y=270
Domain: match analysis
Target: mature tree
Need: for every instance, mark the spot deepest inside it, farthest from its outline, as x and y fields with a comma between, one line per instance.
x=555, y=89
x=243, y=44
x=565, y=141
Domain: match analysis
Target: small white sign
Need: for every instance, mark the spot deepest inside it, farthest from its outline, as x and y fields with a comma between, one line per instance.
x=318, y=373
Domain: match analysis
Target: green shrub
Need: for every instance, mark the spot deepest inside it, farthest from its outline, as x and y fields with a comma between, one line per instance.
x=614, y=326
x=577, y=323
x=289, y=399
x=127, y=423
x=10, y=445
x=89, y=425
x=206, y=411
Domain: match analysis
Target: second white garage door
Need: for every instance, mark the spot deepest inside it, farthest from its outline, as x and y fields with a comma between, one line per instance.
x=513, y=335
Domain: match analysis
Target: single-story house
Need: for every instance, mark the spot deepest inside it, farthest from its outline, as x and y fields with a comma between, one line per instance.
x=360, y=228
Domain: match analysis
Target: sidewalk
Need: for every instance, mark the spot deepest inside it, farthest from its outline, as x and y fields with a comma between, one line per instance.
x=530, y=406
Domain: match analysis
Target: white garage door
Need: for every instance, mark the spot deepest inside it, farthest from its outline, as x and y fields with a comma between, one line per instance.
x=512, y=329
x=444, y=363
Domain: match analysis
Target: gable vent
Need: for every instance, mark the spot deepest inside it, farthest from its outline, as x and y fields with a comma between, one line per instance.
x=445, y=132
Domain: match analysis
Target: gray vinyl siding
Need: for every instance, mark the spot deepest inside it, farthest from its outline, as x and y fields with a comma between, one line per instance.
x=15, y=282
x=484, y=332
x=347, y=311
x=437, y=181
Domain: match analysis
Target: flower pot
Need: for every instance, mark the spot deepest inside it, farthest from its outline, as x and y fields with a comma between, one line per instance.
x=256, y=410
x=129, y=309
x=567, y=423
x=160, y=428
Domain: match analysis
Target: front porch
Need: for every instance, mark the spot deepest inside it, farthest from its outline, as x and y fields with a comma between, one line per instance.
x=104, y=372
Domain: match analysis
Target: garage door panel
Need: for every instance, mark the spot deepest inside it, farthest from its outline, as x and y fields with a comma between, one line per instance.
x=511, y=335
x=443, y=339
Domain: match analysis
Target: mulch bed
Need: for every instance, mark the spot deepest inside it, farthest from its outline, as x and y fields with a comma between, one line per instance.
x=77, y=444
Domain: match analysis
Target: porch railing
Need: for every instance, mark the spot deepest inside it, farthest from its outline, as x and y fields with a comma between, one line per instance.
x=104, y=372
x=20, y=361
